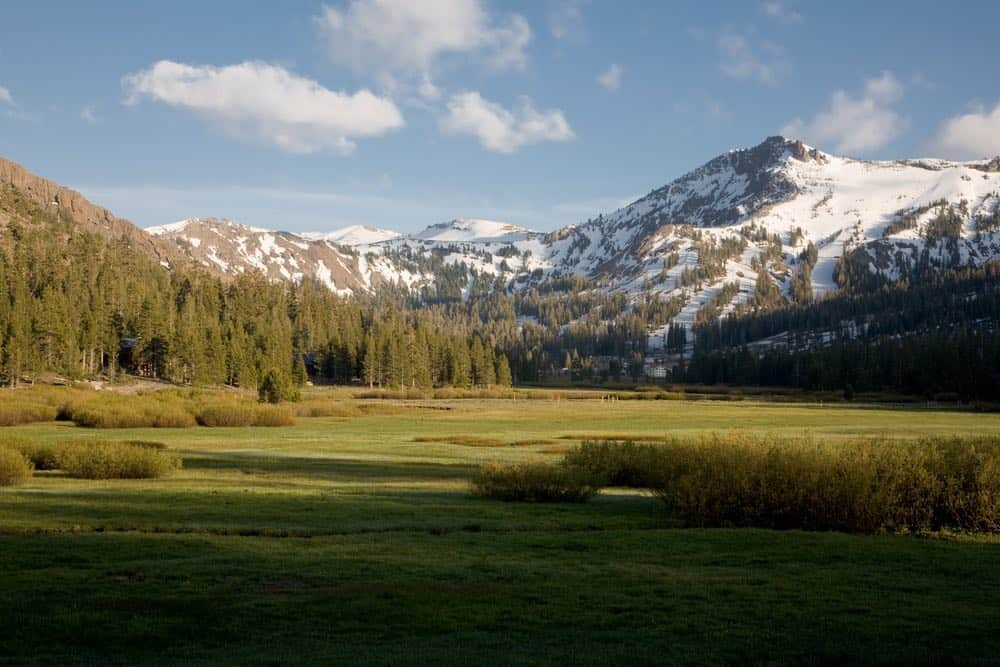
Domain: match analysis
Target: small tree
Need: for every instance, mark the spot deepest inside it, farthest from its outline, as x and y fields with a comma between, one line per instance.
x=275, y=388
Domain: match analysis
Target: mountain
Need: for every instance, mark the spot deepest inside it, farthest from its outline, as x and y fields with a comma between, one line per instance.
x=781, y=212
x=227, y=246
x=353, y=236
x=20, y=189
x=474, y=231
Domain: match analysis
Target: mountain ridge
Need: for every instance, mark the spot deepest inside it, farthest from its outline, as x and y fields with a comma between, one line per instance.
x=780, y=219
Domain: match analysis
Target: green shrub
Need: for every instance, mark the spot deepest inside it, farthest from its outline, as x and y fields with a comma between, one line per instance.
x=277, y=387
x=14, y=467
x=245, y=414
x=326, y=408
x=13, y=413
x=138, y=417
x=862, y=486
x=115, y=460
x=613, y=463
x=533, y=482
x=43, y=456
x=273, y=415
x=142, y=410
x=226, y=415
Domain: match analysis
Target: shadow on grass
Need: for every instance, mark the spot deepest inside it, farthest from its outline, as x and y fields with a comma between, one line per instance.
x=325, y=467
x=629, y=597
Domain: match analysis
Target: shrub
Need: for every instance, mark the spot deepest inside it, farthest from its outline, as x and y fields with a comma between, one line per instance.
x=245, y=414
x=135, y=411
x=616, y=463
x=860, y=486
x=133, y=417
x=277, y=387
x=326, y=408
x=42, y=456
x=14, y=467
x=534, y=482
x=115, y=460
x=14, y=413
x=226, y=415
x=273, y=415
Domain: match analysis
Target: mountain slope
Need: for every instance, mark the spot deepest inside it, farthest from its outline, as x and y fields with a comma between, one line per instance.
x=753, y=226
x=15, y=180
x=232, y=248
x=750, y=229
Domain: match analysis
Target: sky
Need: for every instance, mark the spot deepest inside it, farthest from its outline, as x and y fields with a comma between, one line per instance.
x=311, y=116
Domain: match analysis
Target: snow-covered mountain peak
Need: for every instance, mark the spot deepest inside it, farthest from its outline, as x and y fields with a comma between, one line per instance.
x=354, y=235
x=471, y=230
x=780, y=212
x=190, y=224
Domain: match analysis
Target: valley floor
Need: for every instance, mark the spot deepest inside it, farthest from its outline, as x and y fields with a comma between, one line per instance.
x=347, y=540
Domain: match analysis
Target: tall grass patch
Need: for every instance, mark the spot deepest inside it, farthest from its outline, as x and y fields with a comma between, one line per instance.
x=14, y=467
x=115, y=460
x=860, y=486
x=142, y=410
x=245, y=414
x=533, y=482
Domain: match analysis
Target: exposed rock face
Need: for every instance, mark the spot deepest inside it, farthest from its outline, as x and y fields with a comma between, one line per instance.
x=90, y=217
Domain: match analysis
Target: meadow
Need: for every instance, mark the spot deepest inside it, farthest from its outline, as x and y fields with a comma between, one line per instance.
x=355, y=537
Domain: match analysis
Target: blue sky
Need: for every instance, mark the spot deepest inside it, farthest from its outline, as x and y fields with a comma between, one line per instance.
x=400, y=113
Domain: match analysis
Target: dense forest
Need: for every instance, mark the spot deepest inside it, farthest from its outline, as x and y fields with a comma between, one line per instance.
x=78, y=305
x=932, y=338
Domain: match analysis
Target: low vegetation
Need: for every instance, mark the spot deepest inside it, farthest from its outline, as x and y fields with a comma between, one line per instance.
x=116, y=460
x=14, y=467
x=245, y=414
x=131, y=459
x=533, y=482
x=860, y=486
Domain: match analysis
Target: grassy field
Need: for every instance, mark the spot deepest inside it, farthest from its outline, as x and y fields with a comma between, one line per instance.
x=356, y=540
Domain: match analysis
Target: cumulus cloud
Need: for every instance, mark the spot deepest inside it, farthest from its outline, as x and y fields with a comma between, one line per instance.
x=402, y=38
x=611, y=79
x=763, y=61
x=780, y=11
x=267, y=104
x=856, y=124
x=499, y=129
x=6, y=97
x=970, y=136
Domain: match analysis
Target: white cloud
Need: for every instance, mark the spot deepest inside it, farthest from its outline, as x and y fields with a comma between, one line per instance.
x=499, y=129
x=268, y=104
x=612, y=78
x=856, y=124
x=88, y=114
x=763, y=61
x=970, y=136
x=566, y=21
x=6, y=97
x=388, y=39
x=778, y=10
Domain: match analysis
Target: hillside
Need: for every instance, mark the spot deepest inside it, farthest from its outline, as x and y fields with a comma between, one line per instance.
x=751, y=228
x=21, y=192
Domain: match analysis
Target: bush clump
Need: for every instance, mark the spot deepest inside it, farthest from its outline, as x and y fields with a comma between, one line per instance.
x=136, y=411
x=14, y=467
x=862, y=486
x=115, y=460
x=533, y=482
x=245, y=414
x=15, y=413
x=613, y=463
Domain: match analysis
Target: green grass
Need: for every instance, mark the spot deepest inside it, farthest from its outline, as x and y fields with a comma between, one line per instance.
x=343, y=540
